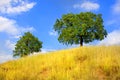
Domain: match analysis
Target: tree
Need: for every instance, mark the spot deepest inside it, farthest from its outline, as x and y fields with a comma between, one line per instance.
x=27, y=45
x=78, y=28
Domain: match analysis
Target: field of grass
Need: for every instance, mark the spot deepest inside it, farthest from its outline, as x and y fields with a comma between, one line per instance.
x=82, y=63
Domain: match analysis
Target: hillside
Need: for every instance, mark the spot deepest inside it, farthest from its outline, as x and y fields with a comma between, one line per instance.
x=83, y=63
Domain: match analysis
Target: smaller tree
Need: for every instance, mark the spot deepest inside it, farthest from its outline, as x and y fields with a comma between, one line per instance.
x=27, y=45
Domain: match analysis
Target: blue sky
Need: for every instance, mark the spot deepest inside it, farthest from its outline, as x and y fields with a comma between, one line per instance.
x=39, y=16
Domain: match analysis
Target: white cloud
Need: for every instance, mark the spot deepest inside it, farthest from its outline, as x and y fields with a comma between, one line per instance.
x=116, y=7
x=15, y=6
x=10, y=45
x=27, y=29
x=10, y=27
x=47, y=50
x=113, y=38
x=21, y=8
x=114, y=19
x=53, y=33
x=4, y=2
x=5, y=57
x=113, y=22
x=88, y=6
x=110, y=22
x=13, y=31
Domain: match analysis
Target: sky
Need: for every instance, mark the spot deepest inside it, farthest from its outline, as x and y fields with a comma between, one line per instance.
x=39, y=16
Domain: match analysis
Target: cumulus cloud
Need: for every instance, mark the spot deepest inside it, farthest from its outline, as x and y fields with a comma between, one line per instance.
x=47, y=50
x=111, y=22
x=10, y=45
x=14, y=31
x=27, y=29
x=10, y=27
x=88, y=6
x=15, y=6
x=116, y=7
x=113, y=38
x=114, y=19
x=5, y=57
x=53, y=33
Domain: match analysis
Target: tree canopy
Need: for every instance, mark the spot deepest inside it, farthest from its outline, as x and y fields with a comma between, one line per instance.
x=78, y=28
x=27, y=44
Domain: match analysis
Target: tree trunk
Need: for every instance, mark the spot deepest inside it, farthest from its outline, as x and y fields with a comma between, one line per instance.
x=81, y=41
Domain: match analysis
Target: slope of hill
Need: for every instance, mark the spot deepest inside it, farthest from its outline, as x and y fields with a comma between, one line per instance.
x=83, y=63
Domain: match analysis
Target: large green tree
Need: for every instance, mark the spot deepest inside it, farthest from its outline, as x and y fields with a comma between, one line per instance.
x=80, y=28
x=27, y=44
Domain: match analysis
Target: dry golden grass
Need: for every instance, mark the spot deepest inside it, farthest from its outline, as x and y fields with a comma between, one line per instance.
x=83, y=63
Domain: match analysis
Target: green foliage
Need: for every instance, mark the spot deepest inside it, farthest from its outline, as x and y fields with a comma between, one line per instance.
x=27, y=45
x=78, y=28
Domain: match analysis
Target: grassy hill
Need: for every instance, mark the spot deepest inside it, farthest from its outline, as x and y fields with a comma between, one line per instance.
x=83, y=63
